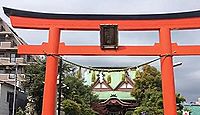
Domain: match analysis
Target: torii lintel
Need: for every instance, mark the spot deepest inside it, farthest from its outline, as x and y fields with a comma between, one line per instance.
x=35, y=20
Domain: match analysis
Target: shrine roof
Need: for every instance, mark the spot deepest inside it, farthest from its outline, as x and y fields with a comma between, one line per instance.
x=120, y=95
x=116, y=79
x=178, y=15
x=195, y=109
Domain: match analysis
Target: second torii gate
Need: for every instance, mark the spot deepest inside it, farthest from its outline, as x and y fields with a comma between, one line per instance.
x=57, y=22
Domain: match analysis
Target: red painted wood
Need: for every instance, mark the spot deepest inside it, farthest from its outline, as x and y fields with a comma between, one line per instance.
x=167, y=73
x=185, y=50
x=49, y=96
x=92, y=50
x=155, y=50
x=36, y=23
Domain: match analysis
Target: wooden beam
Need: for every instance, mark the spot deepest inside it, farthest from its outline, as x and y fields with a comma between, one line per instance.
x=32, y=49
x=125, y=25
x=91, y=50
x=185, y=50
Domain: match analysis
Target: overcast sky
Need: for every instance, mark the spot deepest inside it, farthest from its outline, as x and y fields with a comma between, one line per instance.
x=187, y=76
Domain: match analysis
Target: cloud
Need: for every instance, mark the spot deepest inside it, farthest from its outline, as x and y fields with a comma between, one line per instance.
x=187, y=77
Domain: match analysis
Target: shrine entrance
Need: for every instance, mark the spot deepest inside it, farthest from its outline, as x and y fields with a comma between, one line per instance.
x=57, y=22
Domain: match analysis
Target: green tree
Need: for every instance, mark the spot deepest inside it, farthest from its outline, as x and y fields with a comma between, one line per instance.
x=80, y=95
x=34, y=84
x=179, y=100
x=77, y=96
x=71, y=108
x=20, y=111
x=148, y=92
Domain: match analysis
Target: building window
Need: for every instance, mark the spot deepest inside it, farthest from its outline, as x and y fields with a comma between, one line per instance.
x=12, y=58
x=2, y=54
x=19, y=70
x=10, y=97
x=12, y=76
x=2, y=70
x=2, y=28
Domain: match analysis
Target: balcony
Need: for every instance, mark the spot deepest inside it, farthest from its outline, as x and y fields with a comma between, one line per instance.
x=5, y=32
x=7, y=45
x=20, y=60
x=13, y=61
x=4, y=61
x=11, y=77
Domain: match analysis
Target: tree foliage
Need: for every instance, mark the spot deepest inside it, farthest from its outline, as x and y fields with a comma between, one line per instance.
x=20, y=111
x=179, y=100
x=148, y=92
x=80, y=94
x=77, y=96
x=71, y=107
x=34, y=84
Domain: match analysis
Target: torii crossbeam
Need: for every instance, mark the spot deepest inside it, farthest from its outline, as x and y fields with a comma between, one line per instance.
x=57, y=22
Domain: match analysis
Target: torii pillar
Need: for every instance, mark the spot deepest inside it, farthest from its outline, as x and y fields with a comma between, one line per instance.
x=51, y=72
x=164, y=23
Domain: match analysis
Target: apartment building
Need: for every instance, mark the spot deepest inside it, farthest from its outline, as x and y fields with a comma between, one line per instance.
x=11, y=64
x=10, y=61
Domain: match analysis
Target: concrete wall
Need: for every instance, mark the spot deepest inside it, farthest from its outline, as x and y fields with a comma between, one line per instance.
x=4, y=105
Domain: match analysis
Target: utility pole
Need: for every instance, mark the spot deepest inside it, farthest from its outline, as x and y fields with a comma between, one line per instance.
x=15, y=89
x=59, y=87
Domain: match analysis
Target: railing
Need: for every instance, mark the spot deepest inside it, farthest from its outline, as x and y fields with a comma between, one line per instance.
x=4, y=60
x=20, y=60
x=7, y=45
x=11, y=77
x=13, y=61
x=5, y=32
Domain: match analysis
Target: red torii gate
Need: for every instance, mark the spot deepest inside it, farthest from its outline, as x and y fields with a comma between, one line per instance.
x=56, y=22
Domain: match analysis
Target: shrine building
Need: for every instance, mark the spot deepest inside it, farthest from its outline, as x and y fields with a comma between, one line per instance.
x=114, y=91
